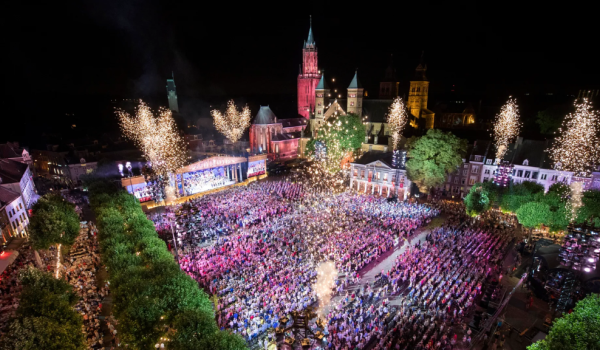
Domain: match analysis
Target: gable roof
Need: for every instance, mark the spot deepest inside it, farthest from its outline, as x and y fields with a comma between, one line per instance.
x=292, y=122
x=335, y=107
x=265, y=116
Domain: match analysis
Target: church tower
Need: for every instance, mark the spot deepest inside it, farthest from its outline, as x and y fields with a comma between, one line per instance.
x=355, y=96
x=322, y=94
x=309, y=76
x=418, y=94
x=172, y=94
x=388, y=88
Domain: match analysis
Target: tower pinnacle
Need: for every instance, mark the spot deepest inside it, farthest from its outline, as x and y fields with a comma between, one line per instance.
x=310, y=42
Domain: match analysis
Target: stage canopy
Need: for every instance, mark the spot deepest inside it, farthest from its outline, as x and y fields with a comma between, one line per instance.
x=212, y=162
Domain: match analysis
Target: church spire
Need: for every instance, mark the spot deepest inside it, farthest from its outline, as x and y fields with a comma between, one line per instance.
x=355, y=84
x=421, y=69
x=310, y=42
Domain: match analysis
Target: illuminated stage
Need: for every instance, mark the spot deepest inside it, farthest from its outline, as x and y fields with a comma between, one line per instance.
x=203, y=177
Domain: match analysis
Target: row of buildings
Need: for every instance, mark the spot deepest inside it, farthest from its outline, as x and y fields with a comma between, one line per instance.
x=375, y=172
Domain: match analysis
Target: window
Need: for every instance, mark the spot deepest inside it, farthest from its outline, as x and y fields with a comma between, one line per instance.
x=462, y=182
x=466, y=166
x=478, y=158
x=456, y=180
x=475, y=170
x=488, y=161
x=472, y=181
x=519, y=173
x=544, y=176
x=10, y=214
x=485, y=179
x=554, y=178
x=534, y=175
x=362, y=173
x=487, y=171
x=527, y=174
x=378, y=175
x=355, y=172
x=20, y=206
x=385, y=177
x=464, y=172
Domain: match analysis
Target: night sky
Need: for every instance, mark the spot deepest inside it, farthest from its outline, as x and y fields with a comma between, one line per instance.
x=67, y=59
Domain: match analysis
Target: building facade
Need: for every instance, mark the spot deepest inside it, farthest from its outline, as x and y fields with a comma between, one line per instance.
x=17, y=177
x=13, y=214
x=279, y=139
x=309, y=77
x=82, y=167
x=418, y=96
x=373, y=173
x=528, y=158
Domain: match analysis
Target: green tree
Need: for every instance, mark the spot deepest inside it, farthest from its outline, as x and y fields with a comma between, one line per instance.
x=480, y=198
x=551, y=118
x=432, y=157
x=45, y=318
x=54, y=221
x=519, y=194
x=577, y=330
x=342, y=135
x=533, y=214
x=590, y=211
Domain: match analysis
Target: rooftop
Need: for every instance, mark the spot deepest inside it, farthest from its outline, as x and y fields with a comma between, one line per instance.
x=265, y=116
x=7, y=196
x=11, y=171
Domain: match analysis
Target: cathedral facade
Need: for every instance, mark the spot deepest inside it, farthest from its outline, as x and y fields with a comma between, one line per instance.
x=309, y=76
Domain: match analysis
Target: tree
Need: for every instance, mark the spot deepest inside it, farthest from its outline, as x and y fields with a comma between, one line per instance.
x=550, y=119
x=534, y=214
x=45, y=318
x=54, y=221
x=480, y=198
x=342, y=135
x=577, y=330
x=519, y=194
x=433, y=157
x=590, y=211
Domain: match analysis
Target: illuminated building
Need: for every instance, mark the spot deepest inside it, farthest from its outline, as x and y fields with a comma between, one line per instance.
x=375, y=173
x=13, y=215
x=309, y=76
x=280, y=139
x=418, y=94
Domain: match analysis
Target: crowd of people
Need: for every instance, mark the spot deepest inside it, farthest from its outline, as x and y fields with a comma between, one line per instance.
x=264, y=264
x=80, y=268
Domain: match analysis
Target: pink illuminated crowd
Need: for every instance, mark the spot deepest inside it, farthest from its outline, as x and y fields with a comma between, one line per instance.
x=263, y=264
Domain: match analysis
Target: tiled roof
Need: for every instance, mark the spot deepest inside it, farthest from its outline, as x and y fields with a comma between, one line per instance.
x=291, y=122
x=373, y=156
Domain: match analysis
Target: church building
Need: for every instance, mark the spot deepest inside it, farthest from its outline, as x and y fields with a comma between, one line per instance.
x=309, y=76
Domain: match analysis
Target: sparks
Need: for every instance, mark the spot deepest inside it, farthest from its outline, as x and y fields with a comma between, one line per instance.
x=576, y=148
x=232, y=124
x=506, y=127
x=157, y=138
x=397, y=119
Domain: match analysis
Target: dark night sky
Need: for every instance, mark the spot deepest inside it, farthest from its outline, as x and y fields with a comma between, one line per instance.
x=68, y=57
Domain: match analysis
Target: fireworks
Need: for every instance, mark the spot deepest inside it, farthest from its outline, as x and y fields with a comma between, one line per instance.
x=575, y=200
x=232, y=124
x=157, y=138
x=506, y=127
x=326, y=276
x=576, y=148
x=397, y=119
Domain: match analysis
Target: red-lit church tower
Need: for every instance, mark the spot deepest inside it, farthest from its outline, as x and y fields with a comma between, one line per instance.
x=309, y=77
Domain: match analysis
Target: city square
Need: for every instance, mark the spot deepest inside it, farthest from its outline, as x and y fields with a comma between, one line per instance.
x=440, y=195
